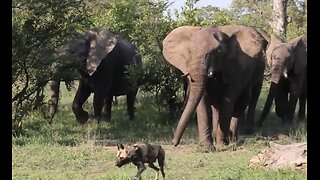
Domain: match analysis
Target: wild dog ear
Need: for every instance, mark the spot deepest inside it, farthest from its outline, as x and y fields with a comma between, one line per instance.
x=120, y=146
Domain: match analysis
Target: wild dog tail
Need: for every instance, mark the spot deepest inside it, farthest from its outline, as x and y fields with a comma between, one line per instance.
x=161, y=160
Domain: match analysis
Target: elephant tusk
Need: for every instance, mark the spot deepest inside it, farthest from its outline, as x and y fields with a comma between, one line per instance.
x=184, y=75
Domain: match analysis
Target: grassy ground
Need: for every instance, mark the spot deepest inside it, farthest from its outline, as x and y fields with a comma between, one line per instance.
x=67, y=150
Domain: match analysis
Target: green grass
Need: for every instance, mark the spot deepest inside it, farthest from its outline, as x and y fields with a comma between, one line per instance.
x=67, y=150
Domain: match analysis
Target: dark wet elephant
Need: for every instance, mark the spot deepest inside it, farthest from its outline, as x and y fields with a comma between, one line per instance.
x=102, y=60
x=288, y=63
x=224, y=66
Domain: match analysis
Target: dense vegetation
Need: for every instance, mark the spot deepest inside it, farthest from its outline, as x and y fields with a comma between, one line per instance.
x=41, y=150
x=40, y=27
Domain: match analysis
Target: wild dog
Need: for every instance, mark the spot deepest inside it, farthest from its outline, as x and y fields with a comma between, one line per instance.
x=139, y=154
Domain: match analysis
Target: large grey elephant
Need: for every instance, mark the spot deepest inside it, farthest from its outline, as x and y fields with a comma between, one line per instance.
x=288, y=63
x=102, y=60
x=225, y=67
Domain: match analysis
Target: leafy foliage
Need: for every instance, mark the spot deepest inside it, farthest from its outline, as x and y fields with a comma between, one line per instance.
x=258, y=13
x=38, y=28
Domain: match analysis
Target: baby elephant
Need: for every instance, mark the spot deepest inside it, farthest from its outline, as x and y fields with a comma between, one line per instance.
x=139, y=154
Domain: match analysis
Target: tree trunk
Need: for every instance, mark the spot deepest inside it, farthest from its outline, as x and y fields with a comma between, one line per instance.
x=279, y=16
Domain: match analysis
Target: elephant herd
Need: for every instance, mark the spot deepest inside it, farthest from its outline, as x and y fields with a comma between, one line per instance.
x=224, y=66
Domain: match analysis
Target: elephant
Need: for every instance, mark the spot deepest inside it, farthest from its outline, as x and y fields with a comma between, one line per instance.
x=288, y=63
x=224, y=66
x=102, y=60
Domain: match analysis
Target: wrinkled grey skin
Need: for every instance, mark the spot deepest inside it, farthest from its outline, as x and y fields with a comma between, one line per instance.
x=101, y=59
x=288, y=80
x=224, y=66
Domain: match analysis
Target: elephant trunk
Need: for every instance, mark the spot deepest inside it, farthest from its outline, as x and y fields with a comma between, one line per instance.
x=266, y=109
x=197, y=79
x=277, y=71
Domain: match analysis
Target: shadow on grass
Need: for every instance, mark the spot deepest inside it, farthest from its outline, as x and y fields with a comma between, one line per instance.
x=274, y=130
x=148, y=125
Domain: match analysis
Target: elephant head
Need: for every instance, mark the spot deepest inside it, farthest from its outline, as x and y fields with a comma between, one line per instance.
x=190, y=49
x=288, y=58
x=88, y=49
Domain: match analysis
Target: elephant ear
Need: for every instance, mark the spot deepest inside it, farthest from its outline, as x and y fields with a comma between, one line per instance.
x=300, y=55
x=101, y=42
x=274, y=42
x=176, y=47
x=243, y=44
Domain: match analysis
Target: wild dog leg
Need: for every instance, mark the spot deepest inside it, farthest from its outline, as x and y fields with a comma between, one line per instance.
x=155, y=168
x=141, y=168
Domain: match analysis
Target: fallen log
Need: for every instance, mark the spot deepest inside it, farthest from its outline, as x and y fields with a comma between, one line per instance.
x=282, y=156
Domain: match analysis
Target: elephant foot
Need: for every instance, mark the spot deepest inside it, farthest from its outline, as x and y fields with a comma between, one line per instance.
x=220, y=145
x=208, y=146
x=221, y=139
x=221, y=142
x=175, y=142
x=83, y=118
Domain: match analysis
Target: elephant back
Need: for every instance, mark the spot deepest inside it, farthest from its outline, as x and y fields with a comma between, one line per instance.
x=128, y=51
x=124, y=54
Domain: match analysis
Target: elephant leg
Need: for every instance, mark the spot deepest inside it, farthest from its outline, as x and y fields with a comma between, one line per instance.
x=302, y=107
x=81, y=96
x=296, y=84
x=131, y=98
x=250, y=123
x=289, y=116
x=240, y=106
x=239, y=114
x=204, y=125
x=107, y=108
x=216, y=131
x=100, y=92
x=302, y=100
x=225, y=115
x=234, y=128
